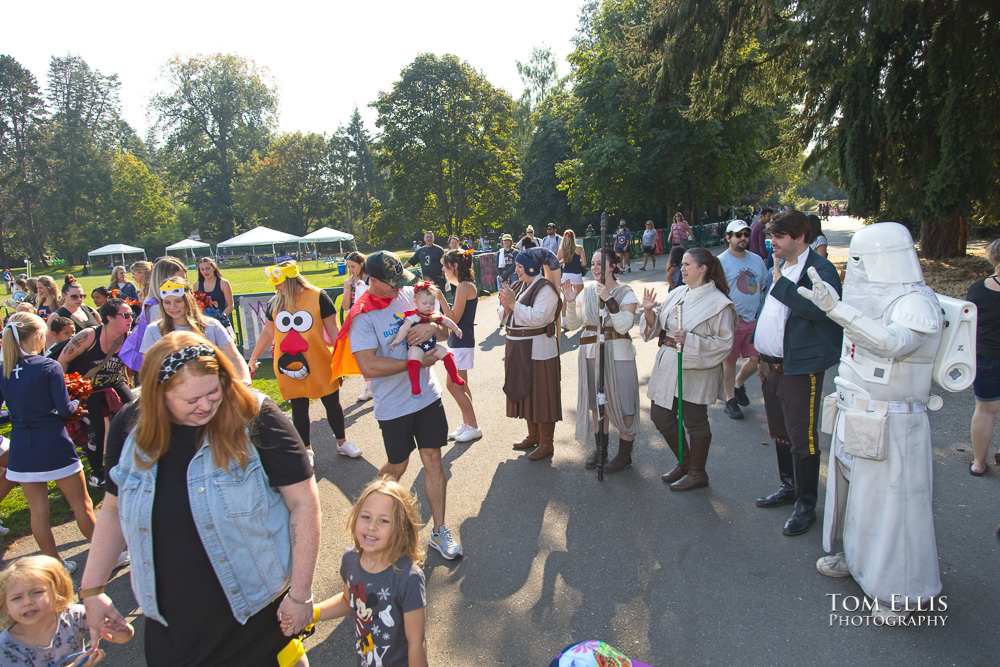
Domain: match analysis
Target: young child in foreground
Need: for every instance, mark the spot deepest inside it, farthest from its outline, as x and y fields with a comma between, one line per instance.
x=383, y=582
x=424, y=302
x=41, y=626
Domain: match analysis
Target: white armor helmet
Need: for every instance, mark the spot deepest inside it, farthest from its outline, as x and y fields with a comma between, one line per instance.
x=884, y=253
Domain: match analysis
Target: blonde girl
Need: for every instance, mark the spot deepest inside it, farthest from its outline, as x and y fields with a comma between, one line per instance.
x=149, y=312
x=383, y=582
x=573, y=263
x=301, y=313
x=120, y=282
x=41, y=625
x=141, y=271
x=36, y=396
x=47, y=297
x=181, y=313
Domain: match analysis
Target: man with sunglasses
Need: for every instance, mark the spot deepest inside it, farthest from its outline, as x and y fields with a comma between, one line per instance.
x=747, y=276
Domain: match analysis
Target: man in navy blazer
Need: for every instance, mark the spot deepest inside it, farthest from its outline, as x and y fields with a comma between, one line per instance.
x=797, y=343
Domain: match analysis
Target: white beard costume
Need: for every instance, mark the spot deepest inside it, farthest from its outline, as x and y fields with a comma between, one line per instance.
x=879, y=477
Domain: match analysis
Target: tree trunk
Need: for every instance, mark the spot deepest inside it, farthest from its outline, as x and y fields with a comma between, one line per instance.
x=943, y=238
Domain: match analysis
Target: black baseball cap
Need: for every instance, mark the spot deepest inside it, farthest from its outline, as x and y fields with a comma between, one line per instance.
x=385, y=266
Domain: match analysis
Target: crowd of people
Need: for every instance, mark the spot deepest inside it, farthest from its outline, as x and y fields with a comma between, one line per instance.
x=206, y=481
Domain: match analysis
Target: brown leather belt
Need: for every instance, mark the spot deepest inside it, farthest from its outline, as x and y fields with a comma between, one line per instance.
x=776, y=364
x=528, y=333
x=667, y=340
x=609, y=334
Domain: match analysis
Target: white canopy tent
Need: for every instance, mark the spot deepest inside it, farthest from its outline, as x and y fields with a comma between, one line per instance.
x=188, y=245
x=327, y=235
x=257, y=237
x=114, y=249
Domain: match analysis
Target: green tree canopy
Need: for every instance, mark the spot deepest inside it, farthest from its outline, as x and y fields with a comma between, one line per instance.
x=446, y=146
x=218, y=110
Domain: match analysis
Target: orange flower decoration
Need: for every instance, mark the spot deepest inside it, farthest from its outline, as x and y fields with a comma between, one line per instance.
x=79, y=389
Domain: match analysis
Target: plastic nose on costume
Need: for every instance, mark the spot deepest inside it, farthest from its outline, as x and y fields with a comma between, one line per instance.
x=293, y=343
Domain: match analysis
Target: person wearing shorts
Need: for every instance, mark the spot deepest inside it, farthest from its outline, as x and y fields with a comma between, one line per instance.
x=408, y=421
x=459, y=273
x=648, y=245
x=747, y=276
x=986, y=295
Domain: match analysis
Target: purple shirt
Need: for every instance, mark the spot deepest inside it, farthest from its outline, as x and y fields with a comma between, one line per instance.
x=757, y=244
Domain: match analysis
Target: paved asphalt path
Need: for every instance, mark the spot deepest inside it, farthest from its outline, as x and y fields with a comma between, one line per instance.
x=553, y=556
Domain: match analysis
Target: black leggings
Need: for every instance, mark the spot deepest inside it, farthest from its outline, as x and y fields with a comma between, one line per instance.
x=95, y=411
x=334, y=415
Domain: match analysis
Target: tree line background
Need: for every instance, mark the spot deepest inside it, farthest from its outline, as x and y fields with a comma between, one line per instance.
x=690, y=105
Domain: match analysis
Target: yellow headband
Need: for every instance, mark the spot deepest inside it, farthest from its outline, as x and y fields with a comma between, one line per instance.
x=170, y=288
x=279, y=274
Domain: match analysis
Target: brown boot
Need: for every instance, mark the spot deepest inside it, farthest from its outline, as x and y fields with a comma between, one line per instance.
x=591, y=461
x=546, y=433
x=531, y=440
x=696, y=477
x=679, y=470
x=622, y=459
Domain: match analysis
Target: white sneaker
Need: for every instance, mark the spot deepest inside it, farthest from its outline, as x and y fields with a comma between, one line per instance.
x=833, y=566
x=348, y=449
x=366, y=395
x=123, y=560
x=457, y=432
x=70, y=566
x=312, y=457
x=445, y=544
x=469, y=434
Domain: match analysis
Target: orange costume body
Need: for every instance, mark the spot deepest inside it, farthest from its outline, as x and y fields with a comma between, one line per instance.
x=301, y=353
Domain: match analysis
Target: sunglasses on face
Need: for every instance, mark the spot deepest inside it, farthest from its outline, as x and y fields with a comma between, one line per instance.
x=741, y=235
x=74, y=296
x=127, y=315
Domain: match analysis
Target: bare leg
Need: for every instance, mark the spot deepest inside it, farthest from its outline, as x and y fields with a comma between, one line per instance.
x=983, y=420
x=435, y=484
x=394, y=470
x=749, y=368
x=463, y=396
x=729, y=378
x=37, y=494
x=75, y=489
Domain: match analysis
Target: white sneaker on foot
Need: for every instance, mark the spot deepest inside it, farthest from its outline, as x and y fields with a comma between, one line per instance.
x=469, y=434
x=833, y=566
x=312, y=457
x=123, y=560
x=366, y=395
x=445, y=544
x=70, y=566
x=457, y=432
x=348, y=449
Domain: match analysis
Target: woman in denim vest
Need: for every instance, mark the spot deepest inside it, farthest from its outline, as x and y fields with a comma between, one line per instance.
x=213, y=492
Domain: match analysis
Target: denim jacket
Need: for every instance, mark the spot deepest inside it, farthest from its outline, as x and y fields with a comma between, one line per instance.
x=241, y=520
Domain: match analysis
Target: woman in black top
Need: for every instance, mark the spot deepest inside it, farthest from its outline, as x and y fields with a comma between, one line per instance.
x=88, y=351
x=986, y=295
x=218, y=289
x=82, y=315
x=458, y=271
x=201, y=400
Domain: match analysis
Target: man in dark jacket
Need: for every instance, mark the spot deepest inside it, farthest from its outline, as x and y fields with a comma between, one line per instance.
x=797, y=343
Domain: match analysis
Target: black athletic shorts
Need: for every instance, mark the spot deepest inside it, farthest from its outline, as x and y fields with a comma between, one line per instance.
x=423, y=429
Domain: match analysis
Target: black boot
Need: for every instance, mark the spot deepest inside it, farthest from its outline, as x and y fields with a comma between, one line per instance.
x=591, y=461
x=622, y=459
x=786, y=471
x=806, y=492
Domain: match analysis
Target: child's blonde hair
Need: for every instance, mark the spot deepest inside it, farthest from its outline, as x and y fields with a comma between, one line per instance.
x=405, y=537
x=44, y=568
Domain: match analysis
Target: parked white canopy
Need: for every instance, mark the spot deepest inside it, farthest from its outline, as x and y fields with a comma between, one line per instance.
x=117, y=249
x=188, y=245
x=327, y=235
x=259, y=236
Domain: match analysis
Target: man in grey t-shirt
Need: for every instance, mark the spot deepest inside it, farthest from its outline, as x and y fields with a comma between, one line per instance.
x=747, y=277
x=408, y=421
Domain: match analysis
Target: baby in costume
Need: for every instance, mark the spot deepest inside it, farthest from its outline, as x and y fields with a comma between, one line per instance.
x=424, y=302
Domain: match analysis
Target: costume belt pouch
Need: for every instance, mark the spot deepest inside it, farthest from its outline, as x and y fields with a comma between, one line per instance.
x=301, y=354
x=828, y=419
x=517, y=367
x=864, y=431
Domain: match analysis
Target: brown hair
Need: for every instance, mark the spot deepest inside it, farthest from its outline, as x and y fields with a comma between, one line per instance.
x=716, y=273
x=227, y=430
x=69, y=282
x=610, y=259
x=60, y=323
x=46, y=291
x=28, y=326
x=192, y=313
x=215, y=267
x=404, y=539
x=357, y=258
x=790, y=223
x=462, y=263
x=45, y=569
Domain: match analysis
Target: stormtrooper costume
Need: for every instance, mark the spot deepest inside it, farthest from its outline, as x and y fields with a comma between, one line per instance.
x=879, y=478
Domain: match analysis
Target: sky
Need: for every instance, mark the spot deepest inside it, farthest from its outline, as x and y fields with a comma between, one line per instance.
x=324, y=57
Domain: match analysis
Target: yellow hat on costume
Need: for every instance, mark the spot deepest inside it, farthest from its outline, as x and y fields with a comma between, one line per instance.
x=279, y=274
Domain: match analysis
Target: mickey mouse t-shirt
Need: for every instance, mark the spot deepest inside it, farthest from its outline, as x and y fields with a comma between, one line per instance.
x=378, y=602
